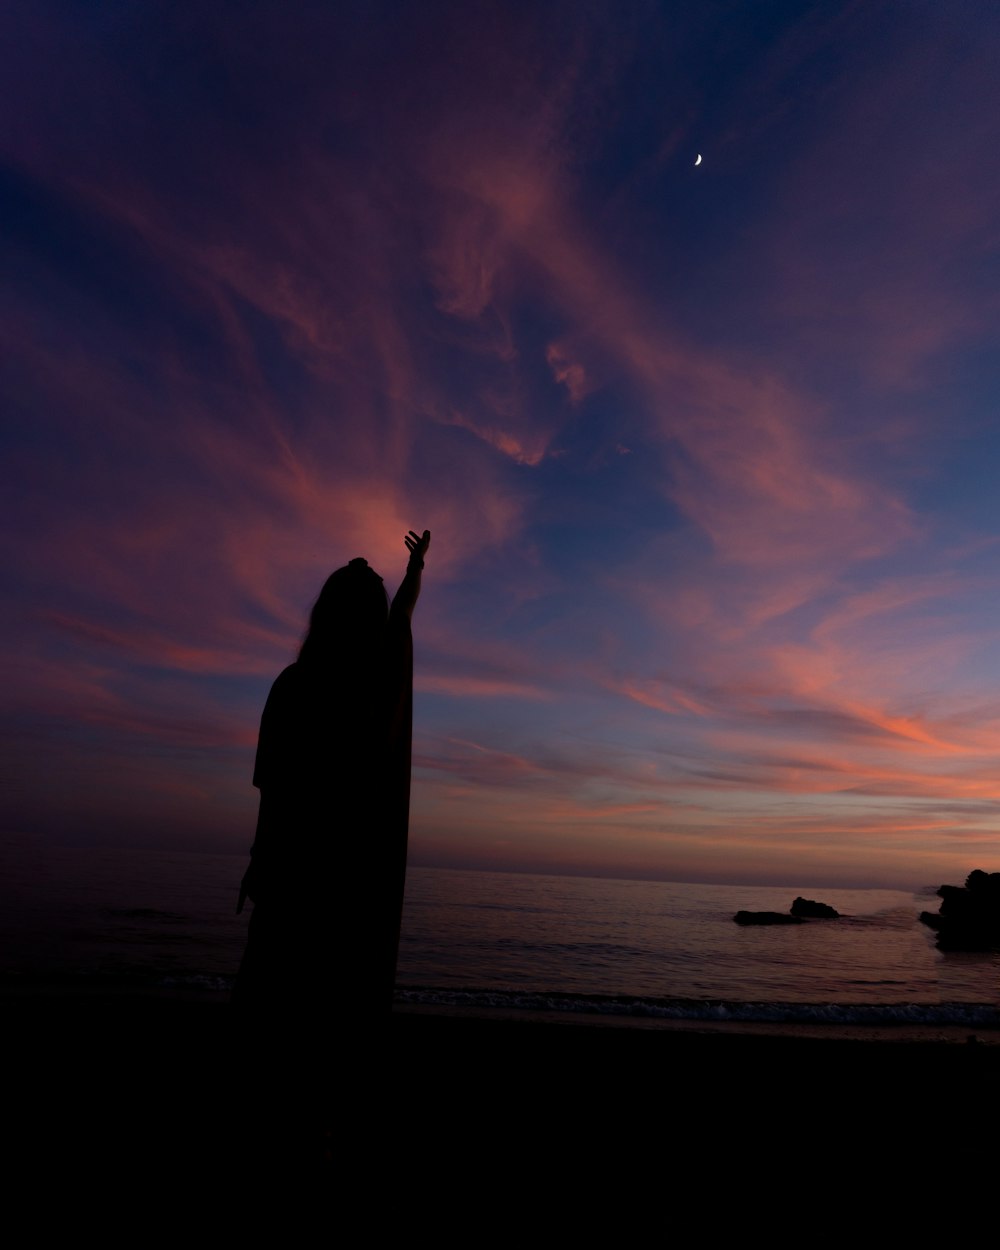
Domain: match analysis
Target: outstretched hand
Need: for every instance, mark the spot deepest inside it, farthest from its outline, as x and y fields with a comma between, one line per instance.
x=417, y=544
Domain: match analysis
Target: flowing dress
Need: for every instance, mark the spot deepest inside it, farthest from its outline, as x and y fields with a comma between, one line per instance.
x=328, y=862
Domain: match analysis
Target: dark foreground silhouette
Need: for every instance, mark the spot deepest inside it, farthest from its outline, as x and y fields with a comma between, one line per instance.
x=125, y=1115
x=328, y=863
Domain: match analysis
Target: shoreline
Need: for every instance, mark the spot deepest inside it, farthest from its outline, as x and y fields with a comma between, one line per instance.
x=35, y=1001
x=901, y=1033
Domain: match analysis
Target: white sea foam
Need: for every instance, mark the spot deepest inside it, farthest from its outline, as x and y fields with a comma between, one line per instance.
x=966, y=1015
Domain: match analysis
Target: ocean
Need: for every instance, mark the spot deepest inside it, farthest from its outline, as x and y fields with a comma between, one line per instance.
x=164, y=922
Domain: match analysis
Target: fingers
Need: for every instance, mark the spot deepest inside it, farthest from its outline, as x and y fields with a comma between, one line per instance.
x=415, y=541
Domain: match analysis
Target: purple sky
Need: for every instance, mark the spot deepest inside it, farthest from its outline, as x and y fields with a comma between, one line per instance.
x=709, y=453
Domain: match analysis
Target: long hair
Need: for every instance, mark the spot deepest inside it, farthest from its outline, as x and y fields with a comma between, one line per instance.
x=348, y=621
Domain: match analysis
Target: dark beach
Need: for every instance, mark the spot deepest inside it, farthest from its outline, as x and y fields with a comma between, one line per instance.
x=127, y=1095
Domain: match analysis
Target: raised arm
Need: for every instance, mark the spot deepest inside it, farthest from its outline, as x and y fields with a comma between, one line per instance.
x=406, y=596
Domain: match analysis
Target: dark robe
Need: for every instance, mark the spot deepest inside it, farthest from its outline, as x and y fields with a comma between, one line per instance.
x=329, y=860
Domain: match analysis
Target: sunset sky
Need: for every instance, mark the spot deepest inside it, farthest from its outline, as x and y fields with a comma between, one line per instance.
x=709, y=453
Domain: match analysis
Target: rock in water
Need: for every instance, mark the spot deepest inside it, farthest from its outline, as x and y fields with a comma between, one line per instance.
x=969, y=919
x=815, y=911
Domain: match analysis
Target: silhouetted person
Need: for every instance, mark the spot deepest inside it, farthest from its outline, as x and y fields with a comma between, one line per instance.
x=328, y=863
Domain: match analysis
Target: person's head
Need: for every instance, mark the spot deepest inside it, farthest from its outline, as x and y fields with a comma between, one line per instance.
x=349, y=615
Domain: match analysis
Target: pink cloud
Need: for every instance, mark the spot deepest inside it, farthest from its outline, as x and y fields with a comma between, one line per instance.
x=661, y=695
x=477, y=687
x=568, y=371
x=529, y=449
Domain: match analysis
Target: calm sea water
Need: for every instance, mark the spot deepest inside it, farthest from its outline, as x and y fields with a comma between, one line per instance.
x=671, y=950
x=154, y=921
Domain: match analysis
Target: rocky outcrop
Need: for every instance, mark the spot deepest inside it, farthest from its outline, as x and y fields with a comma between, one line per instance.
x=801, y=910
x=969, y=916
x=808, y=909
x=766, y=917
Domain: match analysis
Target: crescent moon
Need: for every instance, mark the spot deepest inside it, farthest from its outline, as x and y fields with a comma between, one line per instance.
x=698, y=161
